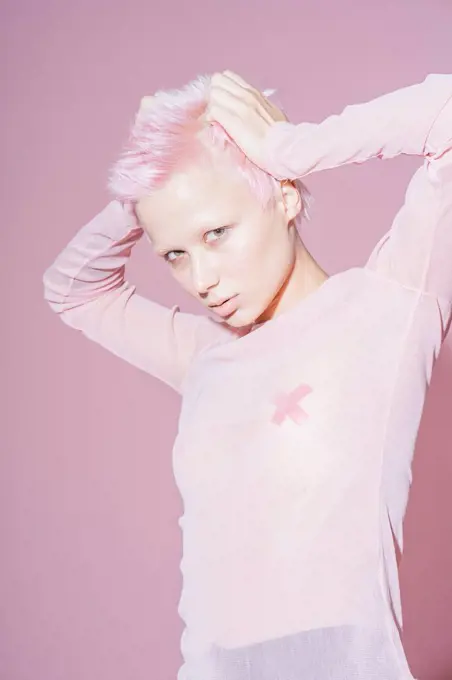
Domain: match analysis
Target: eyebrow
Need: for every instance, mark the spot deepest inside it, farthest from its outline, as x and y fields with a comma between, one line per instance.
x=164, y=251
x=159, y=251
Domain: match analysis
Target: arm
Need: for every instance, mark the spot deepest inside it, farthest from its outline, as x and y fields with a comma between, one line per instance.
x=417, y=250
x=86, y=287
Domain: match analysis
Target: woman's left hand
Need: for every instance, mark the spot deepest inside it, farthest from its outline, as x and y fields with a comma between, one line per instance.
x=244, y=112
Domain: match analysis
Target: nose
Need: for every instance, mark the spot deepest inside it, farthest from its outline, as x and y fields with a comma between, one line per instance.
x=204, y=275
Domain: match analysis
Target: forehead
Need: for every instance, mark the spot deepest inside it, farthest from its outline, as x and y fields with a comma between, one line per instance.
x=201, y=196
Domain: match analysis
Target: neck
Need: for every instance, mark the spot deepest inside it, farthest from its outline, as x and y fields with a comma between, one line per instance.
x=305, y=277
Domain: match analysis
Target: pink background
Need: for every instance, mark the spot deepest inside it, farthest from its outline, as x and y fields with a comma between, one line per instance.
x=90, y=544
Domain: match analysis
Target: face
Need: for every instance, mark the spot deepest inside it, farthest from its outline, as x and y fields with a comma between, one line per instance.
x=219, y=242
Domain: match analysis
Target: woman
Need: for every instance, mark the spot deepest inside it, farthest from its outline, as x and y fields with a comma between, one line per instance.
x=302, y=393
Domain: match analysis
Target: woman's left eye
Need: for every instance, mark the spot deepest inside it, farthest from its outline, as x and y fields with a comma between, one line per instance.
x=219, y=231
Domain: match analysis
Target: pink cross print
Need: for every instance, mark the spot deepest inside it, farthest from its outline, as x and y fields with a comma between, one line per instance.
x=287, y=405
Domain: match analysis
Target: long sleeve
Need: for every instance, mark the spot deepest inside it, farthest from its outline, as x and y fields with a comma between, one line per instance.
x=417, y=249
x=86, y=287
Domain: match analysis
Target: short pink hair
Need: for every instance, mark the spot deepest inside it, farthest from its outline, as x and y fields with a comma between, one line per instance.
x=168, y=134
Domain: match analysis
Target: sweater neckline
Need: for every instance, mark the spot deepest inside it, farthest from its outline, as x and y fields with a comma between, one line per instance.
x=302, y=309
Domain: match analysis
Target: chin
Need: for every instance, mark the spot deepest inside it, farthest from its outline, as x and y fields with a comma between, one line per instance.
x=236, y=321
x=242, y=319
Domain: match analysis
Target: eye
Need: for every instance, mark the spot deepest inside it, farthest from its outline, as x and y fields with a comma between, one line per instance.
x=168, y=259
x=219, y=232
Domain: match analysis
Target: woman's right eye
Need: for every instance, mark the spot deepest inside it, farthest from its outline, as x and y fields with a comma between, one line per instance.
x=167, y=258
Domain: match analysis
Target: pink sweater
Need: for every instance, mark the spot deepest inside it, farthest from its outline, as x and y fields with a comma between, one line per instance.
x=295, y=442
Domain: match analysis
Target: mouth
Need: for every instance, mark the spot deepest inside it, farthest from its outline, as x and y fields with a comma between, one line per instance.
x=226, y=308
x=218, y=304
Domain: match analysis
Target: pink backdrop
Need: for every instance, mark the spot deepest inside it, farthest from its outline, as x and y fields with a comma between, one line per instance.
x=90, y=543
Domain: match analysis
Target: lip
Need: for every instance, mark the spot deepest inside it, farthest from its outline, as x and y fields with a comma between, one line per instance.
x=225, y=308
x=217, y=304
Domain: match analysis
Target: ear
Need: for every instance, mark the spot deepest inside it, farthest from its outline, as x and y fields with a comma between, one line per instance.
x=291, y=199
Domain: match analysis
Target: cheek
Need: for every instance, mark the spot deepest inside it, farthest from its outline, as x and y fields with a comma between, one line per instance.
x=270, y=256
x=260, y=267
x=245, y=260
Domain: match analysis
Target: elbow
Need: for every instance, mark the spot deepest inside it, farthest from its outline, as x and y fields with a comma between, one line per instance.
x=48, y=287
x=52, y=291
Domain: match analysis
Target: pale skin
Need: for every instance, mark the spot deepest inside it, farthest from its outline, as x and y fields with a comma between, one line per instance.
x=213, y=232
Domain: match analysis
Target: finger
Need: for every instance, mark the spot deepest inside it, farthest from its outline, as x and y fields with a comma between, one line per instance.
x=225, y=100
x=240, y=89
x=240, y=121
x=231, y=79
x=237, y=101
x=224, y=97
x=239, y=80
x=260, y=94
x=233, y=97
x=230, y=121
